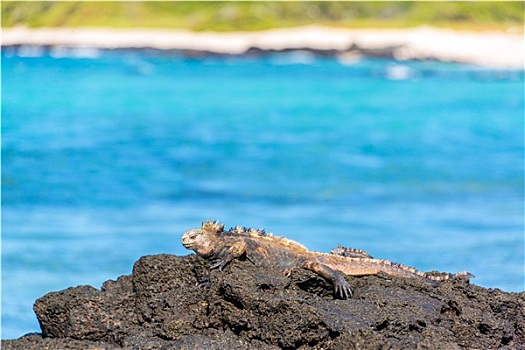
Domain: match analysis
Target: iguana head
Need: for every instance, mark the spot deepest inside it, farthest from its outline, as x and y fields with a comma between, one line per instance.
x=203, y=241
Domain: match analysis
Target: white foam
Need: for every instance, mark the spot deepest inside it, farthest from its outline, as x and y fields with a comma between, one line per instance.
x=492, y=49
x=399, y=72
x=74, y=52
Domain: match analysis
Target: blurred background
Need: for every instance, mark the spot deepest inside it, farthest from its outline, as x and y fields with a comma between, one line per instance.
x=110, y=155
x=258, y=15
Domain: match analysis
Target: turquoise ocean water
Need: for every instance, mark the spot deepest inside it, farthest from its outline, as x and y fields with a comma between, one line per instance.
x=108, y=156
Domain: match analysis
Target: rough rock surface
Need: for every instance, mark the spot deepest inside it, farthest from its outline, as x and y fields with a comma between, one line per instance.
x=159, y=306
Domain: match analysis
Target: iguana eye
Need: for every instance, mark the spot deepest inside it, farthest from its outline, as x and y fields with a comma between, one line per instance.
x=193, y=234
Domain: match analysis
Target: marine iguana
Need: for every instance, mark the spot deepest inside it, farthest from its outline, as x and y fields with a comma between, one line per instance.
x=213, y=243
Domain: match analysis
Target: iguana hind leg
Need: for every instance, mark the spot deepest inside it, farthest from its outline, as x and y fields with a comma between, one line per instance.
x=341, y=286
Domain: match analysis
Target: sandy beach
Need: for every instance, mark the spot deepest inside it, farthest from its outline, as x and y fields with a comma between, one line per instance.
x=489, y=49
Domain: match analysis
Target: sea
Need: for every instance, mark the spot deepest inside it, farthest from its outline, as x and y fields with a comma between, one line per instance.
x=108, y=156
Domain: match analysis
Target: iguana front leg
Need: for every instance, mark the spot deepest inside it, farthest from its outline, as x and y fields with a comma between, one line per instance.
x=226, y=255
x=341, y=286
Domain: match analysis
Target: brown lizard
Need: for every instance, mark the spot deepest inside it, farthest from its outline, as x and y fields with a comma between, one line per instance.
x=212, y=242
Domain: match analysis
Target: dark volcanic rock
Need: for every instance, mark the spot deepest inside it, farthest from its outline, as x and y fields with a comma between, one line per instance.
x=161, y=306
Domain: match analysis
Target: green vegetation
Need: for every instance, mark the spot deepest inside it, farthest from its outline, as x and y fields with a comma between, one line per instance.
x=257, y=15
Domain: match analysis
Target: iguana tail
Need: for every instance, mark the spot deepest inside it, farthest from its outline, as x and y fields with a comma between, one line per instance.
x=366, y=266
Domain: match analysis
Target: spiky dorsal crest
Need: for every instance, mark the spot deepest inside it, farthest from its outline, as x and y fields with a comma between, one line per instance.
x=256, y=232
x=350, y=252
x=212, y=226
x=248, y=231
x=261, y=234
x=238, y=229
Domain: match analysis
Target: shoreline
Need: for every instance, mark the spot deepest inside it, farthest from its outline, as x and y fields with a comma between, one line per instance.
x=491, y=49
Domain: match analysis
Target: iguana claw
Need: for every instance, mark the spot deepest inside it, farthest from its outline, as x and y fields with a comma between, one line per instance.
x=342, y=288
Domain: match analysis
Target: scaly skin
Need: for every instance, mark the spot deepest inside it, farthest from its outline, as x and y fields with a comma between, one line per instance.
x=356, y=262
x=350, y=252
x=367, y=266
x=211, y=242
